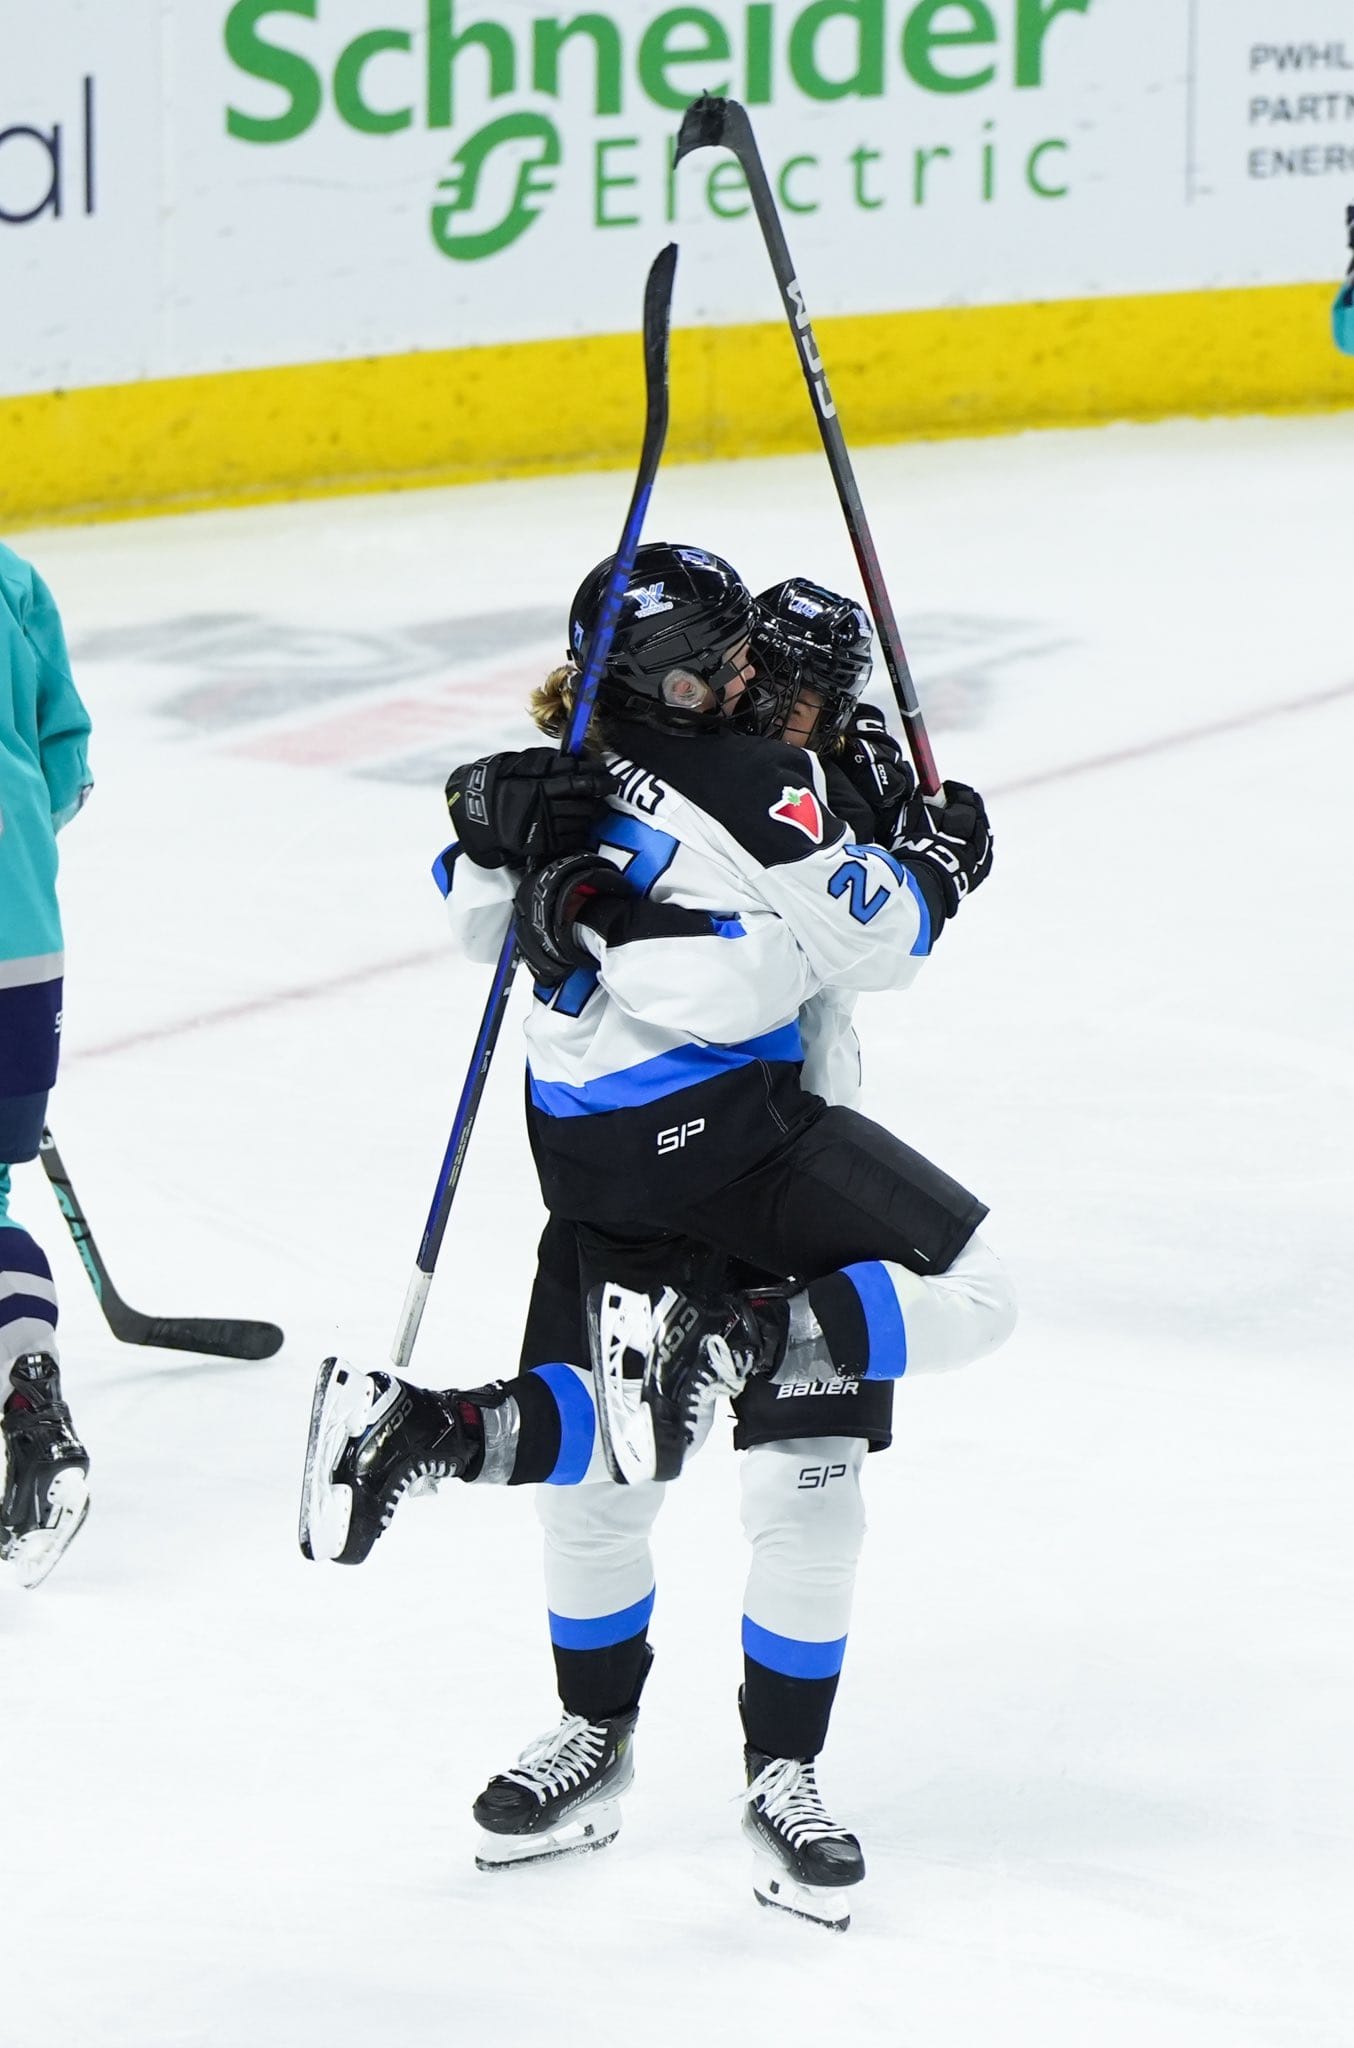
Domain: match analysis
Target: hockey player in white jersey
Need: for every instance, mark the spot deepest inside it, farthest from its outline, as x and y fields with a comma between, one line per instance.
x=676, y=958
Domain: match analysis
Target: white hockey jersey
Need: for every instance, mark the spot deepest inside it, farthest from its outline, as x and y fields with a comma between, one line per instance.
x=677, y=1059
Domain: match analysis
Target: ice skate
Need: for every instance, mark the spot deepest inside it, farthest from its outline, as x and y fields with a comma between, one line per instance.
x=46, y=1494
x=561, y=1797
x=373, y=1439
x=658, y=1365
x=804, y=1863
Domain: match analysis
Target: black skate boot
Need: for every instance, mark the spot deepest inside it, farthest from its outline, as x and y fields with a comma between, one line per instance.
x=562, y=1796
x=46, y=1487
x=658, y=1364
x=373, y=1439
x=804, y=1862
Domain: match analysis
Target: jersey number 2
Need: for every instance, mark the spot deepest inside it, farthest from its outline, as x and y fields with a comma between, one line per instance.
x=852, y=879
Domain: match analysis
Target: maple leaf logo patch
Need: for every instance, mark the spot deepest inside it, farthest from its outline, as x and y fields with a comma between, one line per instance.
x=799, y=807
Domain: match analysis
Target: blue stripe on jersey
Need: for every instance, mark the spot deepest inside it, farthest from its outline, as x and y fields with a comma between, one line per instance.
x=883, y=1320
x=603, y=1630
x=790, y=1657
x=577, y=1424
x=443, y=865
x=727, y=927
x=921, y=945
x=684, y=1067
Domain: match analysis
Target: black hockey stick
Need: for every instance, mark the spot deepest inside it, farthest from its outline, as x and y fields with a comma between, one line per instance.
x=711, y=123
x=657, y=315
x=218, y=1339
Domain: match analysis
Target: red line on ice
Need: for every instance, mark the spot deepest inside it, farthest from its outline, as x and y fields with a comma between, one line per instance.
x=1167, y=742
x=255, y=1006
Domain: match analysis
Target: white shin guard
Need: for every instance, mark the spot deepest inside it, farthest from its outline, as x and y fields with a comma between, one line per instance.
x=805, y=1518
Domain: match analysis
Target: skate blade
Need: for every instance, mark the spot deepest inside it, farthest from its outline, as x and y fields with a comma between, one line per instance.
x=34, y=1555
x=827, y=1906
x=336, y=1415
x=593, y=1830
x=620, y=1322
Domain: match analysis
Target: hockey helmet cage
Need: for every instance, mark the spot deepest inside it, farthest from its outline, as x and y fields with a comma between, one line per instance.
x=808, y=637
x=683, y=610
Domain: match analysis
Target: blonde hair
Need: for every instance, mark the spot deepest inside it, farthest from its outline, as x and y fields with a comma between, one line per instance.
x=551, y=706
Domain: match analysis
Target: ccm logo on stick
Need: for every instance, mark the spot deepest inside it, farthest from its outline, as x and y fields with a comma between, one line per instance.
x=672, y=1140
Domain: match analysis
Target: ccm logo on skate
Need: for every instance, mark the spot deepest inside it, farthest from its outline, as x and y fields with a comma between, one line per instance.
x=673, y=1139
x=819, y=1475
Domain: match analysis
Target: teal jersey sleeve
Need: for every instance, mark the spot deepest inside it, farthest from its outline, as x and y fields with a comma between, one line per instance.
x=62, y=720
x=44, y=761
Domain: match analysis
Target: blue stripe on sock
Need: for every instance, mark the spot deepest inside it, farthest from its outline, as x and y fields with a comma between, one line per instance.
x=14, y=1308
x=577, y=1424
x=883, y=1320
x=790, y=1657
x=603, y=1630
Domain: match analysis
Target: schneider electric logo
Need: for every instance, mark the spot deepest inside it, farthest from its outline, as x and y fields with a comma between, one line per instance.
x=566, y=79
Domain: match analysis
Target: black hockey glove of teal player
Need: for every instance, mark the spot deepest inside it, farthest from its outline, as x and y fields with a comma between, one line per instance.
x=522, y=809
x=872, y=761
x=585, y=889
x=948, y=847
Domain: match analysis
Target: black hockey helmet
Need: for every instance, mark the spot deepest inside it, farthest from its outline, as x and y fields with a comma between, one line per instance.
x=809, y=638
x=682, y=613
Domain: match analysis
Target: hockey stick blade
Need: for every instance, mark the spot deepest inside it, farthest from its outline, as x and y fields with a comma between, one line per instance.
x=704, y=126
x=214, y=1337
x=710, y=122
x=656, y=324
x=657, y=319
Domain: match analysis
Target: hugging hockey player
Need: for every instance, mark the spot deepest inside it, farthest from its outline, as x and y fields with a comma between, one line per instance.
x=696, y=949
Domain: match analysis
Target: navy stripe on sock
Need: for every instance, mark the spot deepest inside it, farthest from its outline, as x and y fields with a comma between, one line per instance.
x=14, y=1308
x=19, y=1253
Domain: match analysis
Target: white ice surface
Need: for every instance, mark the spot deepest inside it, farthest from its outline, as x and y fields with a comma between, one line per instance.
x=1095, y=1722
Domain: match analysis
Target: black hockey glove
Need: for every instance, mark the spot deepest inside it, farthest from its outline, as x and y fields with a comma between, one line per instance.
x=584, y=889
x=948, y=845
x=872, y=760
x=522, y=809
x=552, y=901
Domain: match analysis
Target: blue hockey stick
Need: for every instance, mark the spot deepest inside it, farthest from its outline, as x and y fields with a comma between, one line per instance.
x=657, y=314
